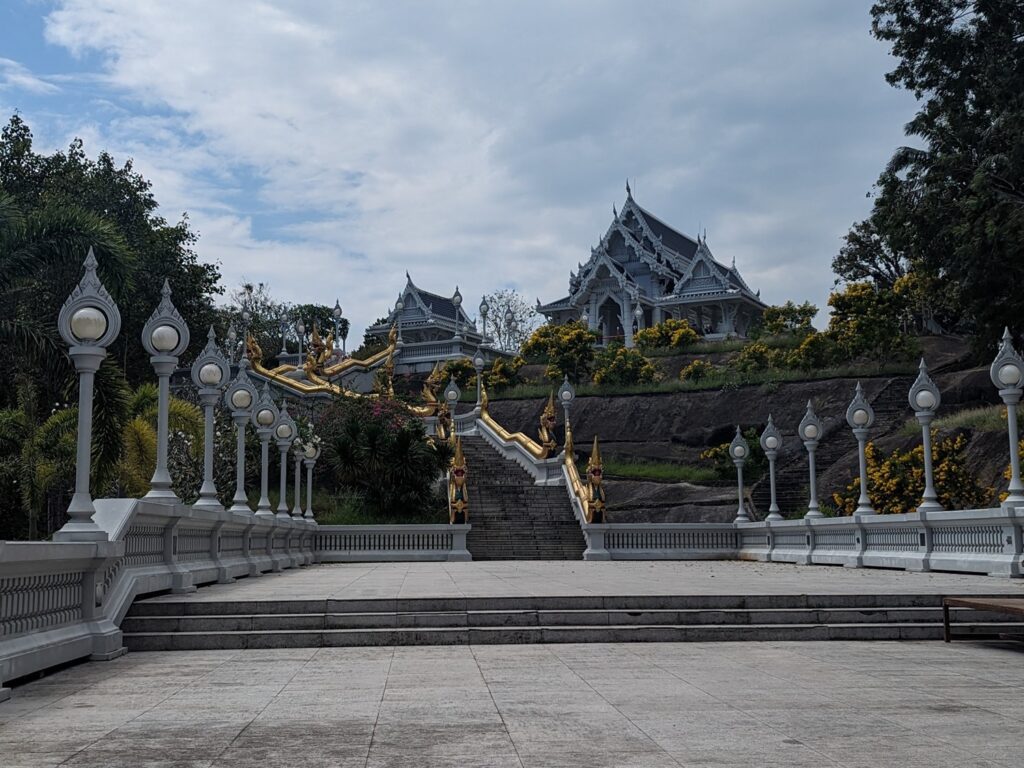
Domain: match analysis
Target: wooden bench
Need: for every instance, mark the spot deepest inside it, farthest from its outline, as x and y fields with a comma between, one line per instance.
x=1012, y=606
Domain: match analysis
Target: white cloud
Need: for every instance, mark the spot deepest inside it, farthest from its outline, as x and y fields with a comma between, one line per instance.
x=15, y=76
x=327, y=148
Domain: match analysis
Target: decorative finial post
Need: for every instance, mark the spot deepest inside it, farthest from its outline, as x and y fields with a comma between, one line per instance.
x=336, y=314
x=299, y=452
x=399, y=308
x=239, y=397
x=1007, y=372
x=452, y=393
x=595, y=478
x=284, y=434
x=458, y=496
x=771, y=444
x=485, y=308
x=810, y=433
x=264, y=416
x=209, y=372
x=739, y=450
x=861, y=416
x=566, y=395
x=478, y=363
x=88, y=322
x=924, y=399
x=457, y=302
x=165, y=336
x=311, y=454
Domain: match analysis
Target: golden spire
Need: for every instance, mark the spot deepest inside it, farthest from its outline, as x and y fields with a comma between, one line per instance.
x=484, y=400
x=595, y=455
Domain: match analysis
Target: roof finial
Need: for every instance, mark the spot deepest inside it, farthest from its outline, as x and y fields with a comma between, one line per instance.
x=615, y=211
x=629, y=192
x=407, y=278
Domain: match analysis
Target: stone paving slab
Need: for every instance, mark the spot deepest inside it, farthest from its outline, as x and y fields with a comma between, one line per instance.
x=847, y=704
x=393, y=581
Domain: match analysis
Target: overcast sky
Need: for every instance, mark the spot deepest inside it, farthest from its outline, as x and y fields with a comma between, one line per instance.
x=327, y=147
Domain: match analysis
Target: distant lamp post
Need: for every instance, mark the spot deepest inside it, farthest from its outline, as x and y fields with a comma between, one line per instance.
x=509, y=319
x=566, y=395
x=739, y=450
x=209, y=373
x=264, y=416
x=585, y=319
x=1007, y=374
x=310, y=453
x=284, y=434
x=282, y=326
x=336, y=314
x=300, y=331
x=399, y=309
x=861, y=416
x=165, y=336
x=232, y=342
x=240, y=397
x=478, y=363
x=638, y=313
x=457, y=302
x=771, y=444
x=924, y=399
x=810, y=432
x=452, y=393
x=298, y=450
x=88, y=322
x=485, y=308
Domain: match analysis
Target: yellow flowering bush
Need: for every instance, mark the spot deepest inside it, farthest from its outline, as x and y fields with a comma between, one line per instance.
x=1007, y=473
x=696, y=371
x=619, y=365
x=896, y=481
x=676, y=334
x=504, y=373
x=567, y=349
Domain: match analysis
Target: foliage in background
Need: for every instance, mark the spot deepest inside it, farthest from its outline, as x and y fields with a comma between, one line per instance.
x=527, y=319
x=615, y=364
x=462, y=370
x=567, y=349
x=372, y=344
x=896, y=480
x=669, y=334
x=697, y=370
x=788, y=318
x=504, y=373
x=721, y=462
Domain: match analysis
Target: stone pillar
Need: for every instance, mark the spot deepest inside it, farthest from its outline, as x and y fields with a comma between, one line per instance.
x=627, y=320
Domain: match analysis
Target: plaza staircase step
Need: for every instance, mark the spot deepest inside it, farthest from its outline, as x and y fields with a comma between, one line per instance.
x=190, y=625
x=513, y=518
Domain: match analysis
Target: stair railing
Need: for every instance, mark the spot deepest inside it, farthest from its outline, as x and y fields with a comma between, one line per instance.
x=458, y=494
x=524, y=441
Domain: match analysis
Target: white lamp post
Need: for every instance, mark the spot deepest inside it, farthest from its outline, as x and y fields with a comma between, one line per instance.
x=810, y=432
x=336, y=313
x=232, y=342
x=771, y=444
x=739, y=449
x=300, y=331
x=284, y=434
x=924, y=399
x=566, y=395
x=165, y=336
x=861, y=416
x=485, y=308
x=452, y=393
x=209, y=372
x=298, y=449
x=310, y=454
x=88, y=322
x=509, y=319
x=264, y=416
x=1007, y=374
x=240, y=397
x=457, y=302
x=478, y=363
x=399, y=309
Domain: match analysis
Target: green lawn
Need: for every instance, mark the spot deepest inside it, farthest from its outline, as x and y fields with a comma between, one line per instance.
x=655, y=471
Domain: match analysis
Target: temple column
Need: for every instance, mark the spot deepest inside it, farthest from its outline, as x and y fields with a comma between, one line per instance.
x=656, y=315
x=627, y=320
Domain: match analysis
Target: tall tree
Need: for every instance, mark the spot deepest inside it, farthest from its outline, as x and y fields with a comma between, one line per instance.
x=511, y=319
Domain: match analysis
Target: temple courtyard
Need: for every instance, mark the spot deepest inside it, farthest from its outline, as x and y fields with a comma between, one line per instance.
x=639, y=704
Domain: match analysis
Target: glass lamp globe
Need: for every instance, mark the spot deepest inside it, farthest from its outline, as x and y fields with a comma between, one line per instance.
x=88, y=323
x=811, y=431
x=484, y=307
x=246, y=315
x=508, y=315
x=860, y=417
x=310, y=451
x=210, y=374
x=232, y=333
x=283, y=431
x=164, y=338
x=478, y=362
x=771, y=442
x=566, y=395
x=739, y=451
x=1010, y=375
x=638, y=312
x=399, y=305
x=337, y=310
x=242, y=399
x=265, y=417
x=584, y=318
x=925, y=400
x=457, y=298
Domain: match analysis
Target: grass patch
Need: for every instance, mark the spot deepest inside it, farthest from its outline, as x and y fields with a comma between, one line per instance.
x=720, y=381
x=348, y=508
x=656, y=471
x=989, y=418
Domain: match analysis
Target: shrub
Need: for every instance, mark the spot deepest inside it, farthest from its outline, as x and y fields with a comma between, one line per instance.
x=789, y=318
x=568, y=350
x=462, y=370
x=722, y=464
x=504, y=373
x=816, y=351
x=675, y=334
x=619, y=365
x=698, y=370
x=896, y=481
x=753, y=358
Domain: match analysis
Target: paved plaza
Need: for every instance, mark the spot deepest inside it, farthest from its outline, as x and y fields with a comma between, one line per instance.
x=638, y=705
x=560, y=578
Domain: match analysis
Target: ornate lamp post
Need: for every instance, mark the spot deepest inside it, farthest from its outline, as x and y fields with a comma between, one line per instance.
x=810, y=432
x=738, y=451
x=282, y=326
x=638, y=313
x=165, y=336
x=771, y=443
x=509, y=319
x=300, y=331
x=485, y=308
x=452, y=393
x=284, y=434
x=1007, y=374
x=232, y=342
x=239, y=397
x=566, y=394
x=310, y=455
x=89, y=322
x=861, y=416
x=298, y=449
x=264, y=416
x=585, y=319
x=457, y=302
x=478, y=363
x=399, y=308
x=336, y=313
x=209, y=372
x=924, y=399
